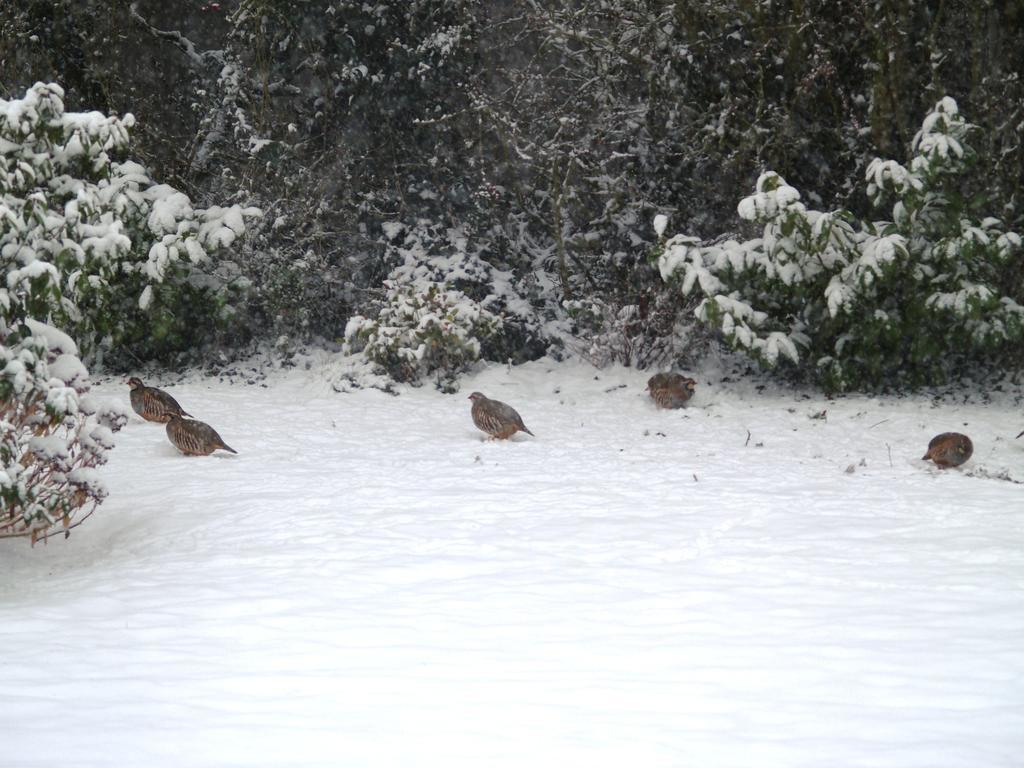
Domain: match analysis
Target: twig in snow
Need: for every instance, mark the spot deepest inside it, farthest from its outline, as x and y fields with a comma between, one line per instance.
x=1003, y=475
x=748, y=439
x=877, y=423
x=889, y=448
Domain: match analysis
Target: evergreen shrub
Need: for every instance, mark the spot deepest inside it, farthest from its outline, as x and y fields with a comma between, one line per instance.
x=908, y=301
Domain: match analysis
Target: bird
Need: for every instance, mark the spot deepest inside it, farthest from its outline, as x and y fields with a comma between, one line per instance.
x=153, y=404
x=496, y=418
x=193, y=437
x=670, y=390
x=950, y=449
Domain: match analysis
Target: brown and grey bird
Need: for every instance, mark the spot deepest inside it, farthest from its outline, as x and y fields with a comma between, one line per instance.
x=496, y=418
x=153, y=404
x=194, y=438
x=950, y=449
x=671, y=390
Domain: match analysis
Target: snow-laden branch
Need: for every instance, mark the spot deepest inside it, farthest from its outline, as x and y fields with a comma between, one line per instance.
x=201, y=59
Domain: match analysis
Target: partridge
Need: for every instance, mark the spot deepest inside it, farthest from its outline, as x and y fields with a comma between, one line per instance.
x=153, y=404
x=194, y=438
x=950, y=449
x=670, y=390
x=494, y=417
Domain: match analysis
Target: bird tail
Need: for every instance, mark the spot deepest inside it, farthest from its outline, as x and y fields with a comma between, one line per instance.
x=1022, y=433
x=228, y=448
x=531, y=433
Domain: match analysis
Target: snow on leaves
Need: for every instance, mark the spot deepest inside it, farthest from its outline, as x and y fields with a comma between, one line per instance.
x=888, y=175
x=426, y=324
x=68, y=211
x=773, y=197
x=863, y=301
x=940, y=136
x=53, y=436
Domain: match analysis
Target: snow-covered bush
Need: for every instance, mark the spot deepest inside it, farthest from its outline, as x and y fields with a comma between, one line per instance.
x=95, y=245
x=864, y=304
x=434, y=315
x=52, y=436
x=97, y=248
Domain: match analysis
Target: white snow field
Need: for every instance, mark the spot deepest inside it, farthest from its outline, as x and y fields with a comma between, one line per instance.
x=369, y=583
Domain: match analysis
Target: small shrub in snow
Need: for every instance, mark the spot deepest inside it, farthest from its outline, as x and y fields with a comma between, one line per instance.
x=427, y=324
x=643, y=335
x=443, y=307
x=95, y=245
x=422, y=329
x=52, y=436
x=864, y=304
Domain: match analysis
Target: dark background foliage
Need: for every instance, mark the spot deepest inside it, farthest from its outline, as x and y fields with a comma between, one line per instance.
x=548, y=132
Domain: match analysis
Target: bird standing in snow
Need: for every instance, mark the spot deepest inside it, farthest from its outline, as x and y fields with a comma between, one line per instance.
x=496, y=418
x=950, y=449
x=153, y=404
x=671, y=390
x=194, y=438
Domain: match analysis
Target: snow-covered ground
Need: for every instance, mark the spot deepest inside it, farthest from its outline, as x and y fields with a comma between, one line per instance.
x=368, y=583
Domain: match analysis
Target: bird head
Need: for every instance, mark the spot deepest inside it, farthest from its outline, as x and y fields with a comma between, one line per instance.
x=477, y=396
x=134, y=382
